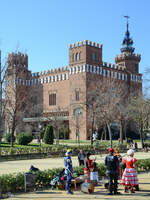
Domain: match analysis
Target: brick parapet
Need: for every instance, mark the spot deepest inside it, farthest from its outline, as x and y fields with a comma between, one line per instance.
x=85, y=42
x=61, y=74
x=127, y=56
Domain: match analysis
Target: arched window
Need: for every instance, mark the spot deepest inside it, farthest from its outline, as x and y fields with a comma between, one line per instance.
x=77, y=111
x=77, y=56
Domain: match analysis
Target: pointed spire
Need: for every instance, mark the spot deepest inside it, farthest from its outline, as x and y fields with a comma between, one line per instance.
x=127, y=41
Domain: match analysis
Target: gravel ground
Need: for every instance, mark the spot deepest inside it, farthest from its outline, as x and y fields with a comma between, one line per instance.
x=49, y=163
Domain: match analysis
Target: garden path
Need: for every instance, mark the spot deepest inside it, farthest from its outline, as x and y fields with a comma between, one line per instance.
x=49, y=163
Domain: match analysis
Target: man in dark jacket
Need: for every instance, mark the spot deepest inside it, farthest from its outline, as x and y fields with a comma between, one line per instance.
x=81, y=158
x=112, y=165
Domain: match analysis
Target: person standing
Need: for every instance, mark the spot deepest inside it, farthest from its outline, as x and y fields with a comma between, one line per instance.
x=129, y=177
x=81, y=158
x=68, y=171
x=88, y=167
x=112, y=164
x=116, y=153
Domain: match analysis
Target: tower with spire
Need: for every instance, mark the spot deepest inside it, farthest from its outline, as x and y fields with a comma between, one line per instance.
x=128, y=60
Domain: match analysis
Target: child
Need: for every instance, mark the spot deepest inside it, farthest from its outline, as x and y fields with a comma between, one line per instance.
x=129, y=177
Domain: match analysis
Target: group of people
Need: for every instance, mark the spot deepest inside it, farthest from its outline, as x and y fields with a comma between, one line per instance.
x=112, y=161
x=129, y=177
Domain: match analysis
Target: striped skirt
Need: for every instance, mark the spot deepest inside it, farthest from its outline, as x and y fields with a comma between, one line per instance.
x=129, y=177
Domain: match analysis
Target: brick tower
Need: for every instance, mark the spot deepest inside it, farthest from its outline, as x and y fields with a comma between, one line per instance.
x=129, y=62
x=16, y=92
x=128, y=59
x=84, y=56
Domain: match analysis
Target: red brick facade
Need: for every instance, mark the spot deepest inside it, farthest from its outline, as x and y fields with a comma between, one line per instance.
x=70, y=84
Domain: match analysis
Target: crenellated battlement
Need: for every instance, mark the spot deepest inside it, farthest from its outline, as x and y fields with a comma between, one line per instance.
x=18, y=59
x=109, y=65
x=128, y=56
x=85, y=42
x=51, y=71
x=107, y=70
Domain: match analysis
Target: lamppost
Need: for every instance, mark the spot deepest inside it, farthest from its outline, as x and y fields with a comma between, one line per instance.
x=77, y=113
x=39, y=137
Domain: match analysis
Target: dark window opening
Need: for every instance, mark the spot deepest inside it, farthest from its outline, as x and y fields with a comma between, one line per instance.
x=93, y=56
x=52, y=99
x=77, y=95
x=77, y=56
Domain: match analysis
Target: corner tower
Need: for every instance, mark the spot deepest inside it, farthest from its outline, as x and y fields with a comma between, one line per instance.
x=16, y=91
x=128, y=60
x=17, y=66
x=85, y=52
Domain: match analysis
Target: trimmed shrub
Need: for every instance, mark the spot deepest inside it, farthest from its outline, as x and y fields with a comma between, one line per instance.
x=61, y=135
x=42, y=133
x=24, y=138
x=8, y=138
x=48, y=135
x=66, y=133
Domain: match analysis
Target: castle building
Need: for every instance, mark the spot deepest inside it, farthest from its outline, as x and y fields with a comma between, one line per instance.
x=61, y=94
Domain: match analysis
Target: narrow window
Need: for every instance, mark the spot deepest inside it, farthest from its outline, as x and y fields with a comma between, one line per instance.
x=77, y=95
x=93, y=56
x=52, y=99
x=77, y=56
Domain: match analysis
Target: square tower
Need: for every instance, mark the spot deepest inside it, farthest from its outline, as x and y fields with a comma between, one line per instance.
x=85, y=52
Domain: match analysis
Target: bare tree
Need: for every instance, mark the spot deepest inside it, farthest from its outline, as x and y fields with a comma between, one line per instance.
x=123, y=117
x=3, y=67
x=140, y=109
x=103, y=100
x=16, y=101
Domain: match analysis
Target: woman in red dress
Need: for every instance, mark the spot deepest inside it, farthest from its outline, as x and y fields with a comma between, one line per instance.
x=88, y=167
x=129, y=177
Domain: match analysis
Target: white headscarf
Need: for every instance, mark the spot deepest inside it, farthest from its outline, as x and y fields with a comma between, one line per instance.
x=130, y=152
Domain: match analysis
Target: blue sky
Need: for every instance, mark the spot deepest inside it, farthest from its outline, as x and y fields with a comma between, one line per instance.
x=44, y=28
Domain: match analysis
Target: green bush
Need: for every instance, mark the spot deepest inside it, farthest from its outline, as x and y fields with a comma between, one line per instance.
x=8, y=138
x=143, y=165
x=24, y=138
x=42, y=133
x=48, y=135
x=61, y=135
x=15, y=182
x=66, y=133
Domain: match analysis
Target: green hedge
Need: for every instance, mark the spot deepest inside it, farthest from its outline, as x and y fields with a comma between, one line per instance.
x=57, y=149
x=143, y=165
x=8, y=138
x=24, y=138
x=15, y=182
